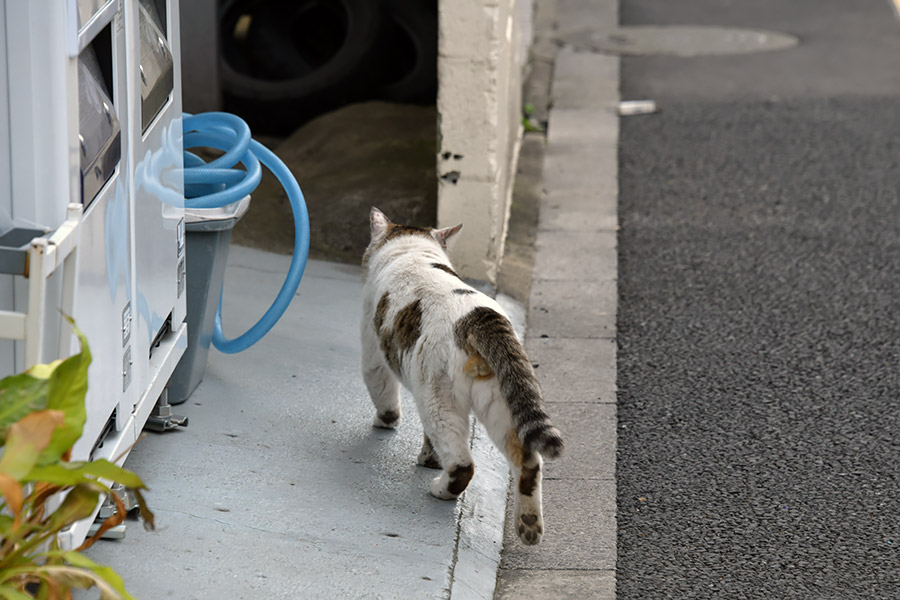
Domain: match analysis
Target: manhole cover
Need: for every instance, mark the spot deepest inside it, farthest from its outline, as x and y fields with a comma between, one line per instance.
x=679, y=40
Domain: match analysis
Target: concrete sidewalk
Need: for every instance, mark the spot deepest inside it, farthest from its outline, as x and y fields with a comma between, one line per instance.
x=281, y=488
x=572, y=315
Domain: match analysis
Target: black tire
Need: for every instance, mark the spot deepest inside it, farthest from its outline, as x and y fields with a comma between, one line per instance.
x=411, y=52
x=277, y=59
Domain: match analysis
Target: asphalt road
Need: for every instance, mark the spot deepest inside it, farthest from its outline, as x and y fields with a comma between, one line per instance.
x=759, y=309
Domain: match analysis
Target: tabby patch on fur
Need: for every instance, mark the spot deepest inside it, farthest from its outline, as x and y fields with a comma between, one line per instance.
x=455, y=350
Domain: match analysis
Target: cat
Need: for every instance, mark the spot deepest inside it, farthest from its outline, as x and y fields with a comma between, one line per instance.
x=455, y=350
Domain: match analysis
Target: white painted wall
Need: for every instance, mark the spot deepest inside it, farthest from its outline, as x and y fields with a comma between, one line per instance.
x=482, y=51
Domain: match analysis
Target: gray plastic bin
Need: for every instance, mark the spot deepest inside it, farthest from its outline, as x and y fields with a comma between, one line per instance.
x=14, y=245
x=208, y=235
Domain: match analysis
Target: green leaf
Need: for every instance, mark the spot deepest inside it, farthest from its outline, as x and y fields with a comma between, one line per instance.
x=107, y=574
x=26, y=439
x=62, y=577
x=67, y=386
x=19, y=395
x=12, y=494
x=530, y=125
x=44, y=371
x=104, y=469
x=61, y=474
x=73, y=473
x=15, y=537
x=8, y=593
x=69, y=576
x=79, y=504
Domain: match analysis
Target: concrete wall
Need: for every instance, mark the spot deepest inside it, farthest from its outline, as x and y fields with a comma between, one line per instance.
x=482, y=50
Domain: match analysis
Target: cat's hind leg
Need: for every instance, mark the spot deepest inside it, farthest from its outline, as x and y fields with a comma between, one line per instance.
x=384, y=389
x=525, y=466
x=447, y=429
x=527, y=509
x=383, y=386
x=427, y=456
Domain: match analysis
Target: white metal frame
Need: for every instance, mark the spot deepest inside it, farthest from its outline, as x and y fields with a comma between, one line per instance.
x=45, y=256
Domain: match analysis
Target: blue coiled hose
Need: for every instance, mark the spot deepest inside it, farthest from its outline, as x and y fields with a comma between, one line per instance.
x=218, y=183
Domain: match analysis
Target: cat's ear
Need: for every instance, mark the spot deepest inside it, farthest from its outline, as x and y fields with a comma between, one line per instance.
x=378, y=223
x=443, y=235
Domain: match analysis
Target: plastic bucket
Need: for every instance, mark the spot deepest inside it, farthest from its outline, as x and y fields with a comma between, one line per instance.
x=207, y=238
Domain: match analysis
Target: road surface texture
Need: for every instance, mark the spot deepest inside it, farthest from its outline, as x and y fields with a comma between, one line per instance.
x=759, y=309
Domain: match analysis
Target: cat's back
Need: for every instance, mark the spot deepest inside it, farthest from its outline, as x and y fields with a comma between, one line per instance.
x=428, y=285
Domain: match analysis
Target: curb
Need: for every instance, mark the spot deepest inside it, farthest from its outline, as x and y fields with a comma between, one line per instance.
x=572, y=320
x=481, y=512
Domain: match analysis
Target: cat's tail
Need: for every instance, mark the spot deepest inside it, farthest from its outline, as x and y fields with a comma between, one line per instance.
x=489, y=334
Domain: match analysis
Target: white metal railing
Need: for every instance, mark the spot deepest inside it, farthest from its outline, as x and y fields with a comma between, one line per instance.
x=45, y=256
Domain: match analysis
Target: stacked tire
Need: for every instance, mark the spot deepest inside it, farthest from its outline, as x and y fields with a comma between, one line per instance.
x=284, y=62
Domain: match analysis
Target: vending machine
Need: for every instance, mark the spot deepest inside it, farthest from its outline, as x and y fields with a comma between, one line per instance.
x=92, y=204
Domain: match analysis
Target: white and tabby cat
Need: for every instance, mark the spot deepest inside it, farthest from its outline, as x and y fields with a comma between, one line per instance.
x=455, y=350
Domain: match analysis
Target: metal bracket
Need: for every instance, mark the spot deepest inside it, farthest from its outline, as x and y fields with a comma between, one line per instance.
x=113, y=533
x=162, y=419
x=108, y=509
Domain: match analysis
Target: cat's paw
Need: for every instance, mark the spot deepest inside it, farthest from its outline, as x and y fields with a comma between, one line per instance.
x=427, y=458
x=389, y=419
x=438, y=489
x=430, y=462
x=452, y=482
x=530, y=528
